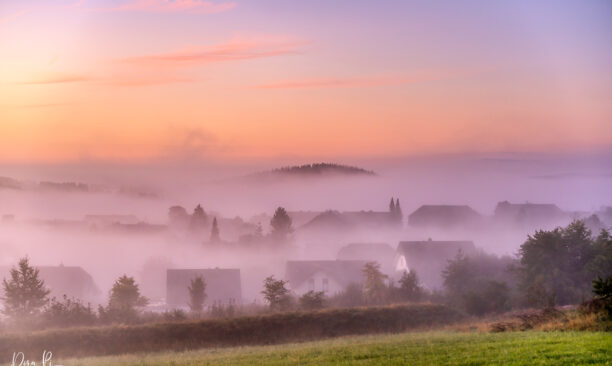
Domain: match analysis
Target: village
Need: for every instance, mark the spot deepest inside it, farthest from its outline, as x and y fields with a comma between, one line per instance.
x=316, y=252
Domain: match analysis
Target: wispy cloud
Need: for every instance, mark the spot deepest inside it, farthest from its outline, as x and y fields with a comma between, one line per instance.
x=369, y=81
x=57, y=79
x=175, y=6
x=231, y=51
x=146, y=80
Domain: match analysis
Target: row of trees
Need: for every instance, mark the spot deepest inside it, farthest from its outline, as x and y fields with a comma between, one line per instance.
x=26, y=301
x=554, y=267
x=199, y=220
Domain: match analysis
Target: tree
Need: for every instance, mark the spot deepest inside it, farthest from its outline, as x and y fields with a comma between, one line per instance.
x=124, y=300
x=374, y=289
x=281, y=225
x=178, y=216
x=276, y=294
x=410, y=289
x=215, y=236
x=399, y=215
x=392, y=206
x=197, y=295
x=312, y=300
x=478, y=284
x=602, y=288
x=198, y=219
x=458, y=275
x=560, y=264
x=25, y=293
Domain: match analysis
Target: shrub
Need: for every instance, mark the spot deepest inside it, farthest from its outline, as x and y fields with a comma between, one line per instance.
x=68, y=313
x=312, y=300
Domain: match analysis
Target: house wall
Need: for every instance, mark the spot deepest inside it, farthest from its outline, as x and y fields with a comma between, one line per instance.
x=333, y=286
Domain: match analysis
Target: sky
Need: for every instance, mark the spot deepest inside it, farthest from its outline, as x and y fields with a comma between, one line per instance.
x=152, y=80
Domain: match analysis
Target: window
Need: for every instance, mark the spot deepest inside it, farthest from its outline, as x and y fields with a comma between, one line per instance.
x=325, y=285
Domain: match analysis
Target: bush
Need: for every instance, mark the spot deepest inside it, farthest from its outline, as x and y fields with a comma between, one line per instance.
x=68, y=313
x=312, y=300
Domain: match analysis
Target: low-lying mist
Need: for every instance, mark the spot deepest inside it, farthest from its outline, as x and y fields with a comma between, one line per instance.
x=47, y=224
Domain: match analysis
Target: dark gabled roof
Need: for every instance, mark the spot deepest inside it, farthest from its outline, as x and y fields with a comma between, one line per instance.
x=505, y=207
x=343, y=272
x=365, y=251
x=435, y=248
x=71, y=281
x=443, y=214
x=349, y=219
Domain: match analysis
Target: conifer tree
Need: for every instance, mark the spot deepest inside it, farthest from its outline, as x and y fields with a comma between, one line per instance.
x=24, y=293
x=215, y=236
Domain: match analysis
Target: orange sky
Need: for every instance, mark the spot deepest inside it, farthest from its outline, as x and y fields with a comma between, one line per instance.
x=140, y=80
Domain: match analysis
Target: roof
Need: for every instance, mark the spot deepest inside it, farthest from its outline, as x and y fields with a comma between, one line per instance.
x=343, y=272
x=536, y=209
x=429, y=258
x=436, y=248
x=349, y=219
x=443, y=215
x=71, y=281
x=222, y=284
x=379, y=252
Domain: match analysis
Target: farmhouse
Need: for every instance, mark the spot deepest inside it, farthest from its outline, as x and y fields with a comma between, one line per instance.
x=444, y=216
x=382, y=253
x=532, y=214
x=72, y=281
x=429, y=258
x=331, y=277
x=222, y=285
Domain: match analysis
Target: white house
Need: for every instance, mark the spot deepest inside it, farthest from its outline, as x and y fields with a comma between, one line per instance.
x=328, y=276
x=429, y=258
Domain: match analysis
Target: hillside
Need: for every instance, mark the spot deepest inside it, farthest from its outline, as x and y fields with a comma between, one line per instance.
x=312, y=171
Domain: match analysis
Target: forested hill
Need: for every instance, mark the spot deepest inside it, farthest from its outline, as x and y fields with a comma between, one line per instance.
x=313, y=170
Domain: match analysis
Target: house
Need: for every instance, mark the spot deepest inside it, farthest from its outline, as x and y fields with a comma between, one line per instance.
x=533, y=214
x=107, y=220
x=71, y=281
x=444, y=216
x=382, y=253
x=328, y=276
x=429, y=258
x=222, y=285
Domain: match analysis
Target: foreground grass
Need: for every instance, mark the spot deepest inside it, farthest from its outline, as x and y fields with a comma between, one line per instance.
x=431, y=348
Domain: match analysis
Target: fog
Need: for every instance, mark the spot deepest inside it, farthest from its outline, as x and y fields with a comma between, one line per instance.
x=47, y=224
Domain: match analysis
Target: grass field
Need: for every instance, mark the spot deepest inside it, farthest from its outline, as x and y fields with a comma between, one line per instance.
x=428, y=348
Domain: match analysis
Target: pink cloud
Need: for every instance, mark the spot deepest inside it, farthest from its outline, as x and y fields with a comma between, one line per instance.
x=176, y=6
x=362, y=82
x=231, y=51
x=57, y=79
x=358, y=82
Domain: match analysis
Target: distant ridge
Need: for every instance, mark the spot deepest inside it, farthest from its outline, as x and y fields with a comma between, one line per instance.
x=313, y=170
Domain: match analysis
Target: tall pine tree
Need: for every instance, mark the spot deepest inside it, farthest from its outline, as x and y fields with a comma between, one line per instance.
x=24, y=293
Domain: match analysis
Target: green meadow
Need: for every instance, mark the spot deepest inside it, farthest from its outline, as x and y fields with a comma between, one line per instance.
x=415, y=348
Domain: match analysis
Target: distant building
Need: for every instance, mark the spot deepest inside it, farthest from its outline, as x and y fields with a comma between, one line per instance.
x=72, y=281
x=222, y=285
x=444, y=216
x=429, y=258
x=382, y=253
x=107, y=220
x=331, y=277
x=532, y=214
